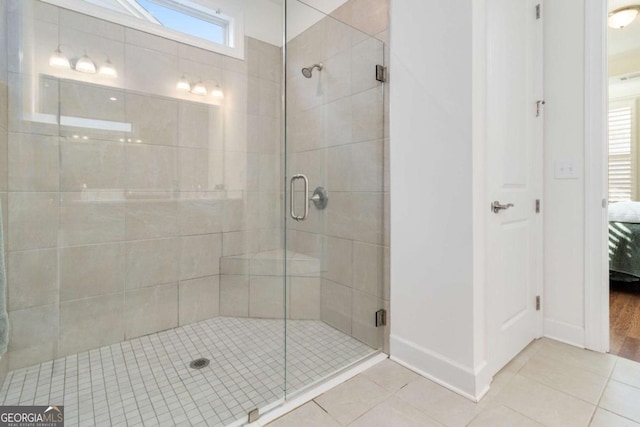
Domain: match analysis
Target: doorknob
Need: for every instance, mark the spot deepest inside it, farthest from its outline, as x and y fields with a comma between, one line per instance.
x=497, y=207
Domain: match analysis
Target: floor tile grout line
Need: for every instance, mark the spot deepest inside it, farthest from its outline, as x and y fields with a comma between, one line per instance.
x=619, y=415
x=249, y=378
x=510, y=408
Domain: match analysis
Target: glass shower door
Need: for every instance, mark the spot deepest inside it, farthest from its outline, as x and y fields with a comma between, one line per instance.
x=335, y=234
x=143, y=219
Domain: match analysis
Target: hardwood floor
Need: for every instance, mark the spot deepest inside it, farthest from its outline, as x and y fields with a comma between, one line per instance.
x=624, y=303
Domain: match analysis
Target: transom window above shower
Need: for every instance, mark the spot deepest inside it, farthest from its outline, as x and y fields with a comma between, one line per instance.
x=209, y=27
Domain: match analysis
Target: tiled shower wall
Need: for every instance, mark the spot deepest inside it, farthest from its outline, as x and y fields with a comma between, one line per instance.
x=113, y=234
x=337, y=136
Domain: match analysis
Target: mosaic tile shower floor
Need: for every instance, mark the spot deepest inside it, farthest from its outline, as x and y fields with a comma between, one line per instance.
x=147, y=381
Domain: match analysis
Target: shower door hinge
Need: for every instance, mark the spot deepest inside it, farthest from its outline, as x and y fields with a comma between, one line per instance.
x=381, y=73
x=254, y=415
x=538, y=11
x=381, y=318
x=538, y=303
x=537, y=205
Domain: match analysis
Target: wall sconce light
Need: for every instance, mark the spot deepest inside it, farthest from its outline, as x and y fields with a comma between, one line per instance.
x=82, y=64
x=622, y=17
x=199, y=88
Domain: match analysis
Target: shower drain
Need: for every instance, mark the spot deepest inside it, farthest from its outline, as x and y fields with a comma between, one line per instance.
x=199, y=363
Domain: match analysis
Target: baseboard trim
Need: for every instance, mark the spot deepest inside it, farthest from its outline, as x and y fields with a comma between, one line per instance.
x=439, y=369
x=564, y=332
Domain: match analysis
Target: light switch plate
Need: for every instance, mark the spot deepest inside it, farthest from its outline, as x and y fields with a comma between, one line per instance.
x=566, y=169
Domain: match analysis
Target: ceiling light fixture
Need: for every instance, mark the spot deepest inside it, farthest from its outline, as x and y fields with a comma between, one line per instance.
x=622, y=17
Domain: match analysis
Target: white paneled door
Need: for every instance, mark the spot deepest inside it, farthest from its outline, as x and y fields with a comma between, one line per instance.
x=514, y=114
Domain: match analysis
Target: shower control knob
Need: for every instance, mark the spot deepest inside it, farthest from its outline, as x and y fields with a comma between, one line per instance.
x=320, y=198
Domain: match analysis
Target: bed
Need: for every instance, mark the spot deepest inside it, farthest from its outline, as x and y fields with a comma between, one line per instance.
x=624, y=241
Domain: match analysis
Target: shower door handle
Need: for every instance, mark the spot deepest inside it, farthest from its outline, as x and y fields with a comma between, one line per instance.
x=292, y=197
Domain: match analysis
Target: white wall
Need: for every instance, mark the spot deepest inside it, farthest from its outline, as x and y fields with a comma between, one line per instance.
x=432, y=268
x=435, y=285
x=263, y=21
x=564, y=199
x=262, y=18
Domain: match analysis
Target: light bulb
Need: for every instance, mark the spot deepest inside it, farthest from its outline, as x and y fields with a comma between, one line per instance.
x=217, y=92
x=59, y=60
x=108, y=69
x=199, y=89
x=622, y=17
x=85, y=65
x=183, y=84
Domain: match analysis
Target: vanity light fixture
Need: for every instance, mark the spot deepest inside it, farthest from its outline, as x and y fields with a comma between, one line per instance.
x=217, y=92
x=624, y=16
x=199, y=88
x=82, y=64
x=108, y=69
x=59, y=59
x=183, y=84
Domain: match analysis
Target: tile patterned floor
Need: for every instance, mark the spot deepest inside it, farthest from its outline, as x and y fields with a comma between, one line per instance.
x=147, y=381
x=548, y=384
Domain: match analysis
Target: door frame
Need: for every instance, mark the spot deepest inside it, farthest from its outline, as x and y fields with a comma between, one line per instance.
x=596, y=301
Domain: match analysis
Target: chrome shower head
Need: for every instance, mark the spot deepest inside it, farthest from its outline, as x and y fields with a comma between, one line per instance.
x=308, y=71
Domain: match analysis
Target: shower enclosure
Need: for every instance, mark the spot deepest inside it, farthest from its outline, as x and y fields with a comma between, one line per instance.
x=192, y=235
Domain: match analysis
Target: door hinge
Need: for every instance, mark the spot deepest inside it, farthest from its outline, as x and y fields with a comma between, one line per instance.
x=537, y=205
x=538, y=303
x=381, y=73
x=538, y=11
x=381, y=318
x=538, y=105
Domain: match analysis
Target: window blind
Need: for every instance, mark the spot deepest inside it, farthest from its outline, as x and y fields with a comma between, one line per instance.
x=620, y=154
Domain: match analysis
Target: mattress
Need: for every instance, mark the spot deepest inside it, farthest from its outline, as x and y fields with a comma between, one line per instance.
x=625, y=212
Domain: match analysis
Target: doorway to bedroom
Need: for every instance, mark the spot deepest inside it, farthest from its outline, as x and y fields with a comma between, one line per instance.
x=624, y=179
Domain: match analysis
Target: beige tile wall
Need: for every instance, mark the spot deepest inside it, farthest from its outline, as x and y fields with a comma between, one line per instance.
x=112, y=235
x=336, y=135
x=109, y=238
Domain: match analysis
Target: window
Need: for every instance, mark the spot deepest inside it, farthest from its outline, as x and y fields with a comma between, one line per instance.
x=172, y=15
x=621, y=149
x=185, y=21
